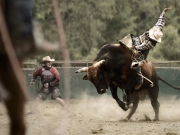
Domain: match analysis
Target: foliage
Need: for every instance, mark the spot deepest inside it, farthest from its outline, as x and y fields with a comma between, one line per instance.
x=90, y=24
x=168, y=49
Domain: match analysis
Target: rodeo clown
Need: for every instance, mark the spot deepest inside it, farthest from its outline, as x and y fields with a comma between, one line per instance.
x=50, y=82
x=145, y=42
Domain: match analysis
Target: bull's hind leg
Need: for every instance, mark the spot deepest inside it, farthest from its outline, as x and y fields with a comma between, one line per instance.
x=135, y=100
x=153, y=95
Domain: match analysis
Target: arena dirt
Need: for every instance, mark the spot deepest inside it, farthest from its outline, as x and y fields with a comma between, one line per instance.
x=97, y=115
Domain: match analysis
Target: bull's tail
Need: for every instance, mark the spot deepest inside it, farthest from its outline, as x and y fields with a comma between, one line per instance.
x=177, y=88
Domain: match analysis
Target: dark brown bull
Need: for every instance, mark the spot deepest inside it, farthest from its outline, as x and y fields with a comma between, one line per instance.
x=111, y=68
x=13, y=90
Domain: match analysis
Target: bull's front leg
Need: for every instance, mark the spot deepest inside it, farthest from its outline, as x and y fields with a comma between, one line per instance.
x=128, y=90
x=115, y=96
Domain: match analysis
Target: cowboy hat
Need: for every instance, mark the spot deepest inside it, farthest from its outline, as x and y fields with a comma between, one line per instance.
x=156, y=34
x=47, y=58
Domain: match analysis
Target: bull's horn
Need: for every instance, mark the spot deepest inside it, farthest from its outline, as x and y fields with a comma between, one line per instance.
x=84, y=69
x=99, y=63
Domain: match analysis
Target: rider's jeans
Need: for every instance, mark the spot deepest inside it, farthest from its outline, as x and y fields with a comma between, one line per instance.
x=139, y=79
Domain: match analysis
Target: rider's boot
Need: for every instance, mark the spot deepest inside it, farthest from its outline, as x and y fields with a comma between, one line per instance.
x=139, y=78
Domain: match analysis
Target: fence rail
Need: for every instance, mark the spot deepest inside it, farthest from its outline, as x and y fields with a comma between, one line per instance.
x=81, y=63
x=168, y=70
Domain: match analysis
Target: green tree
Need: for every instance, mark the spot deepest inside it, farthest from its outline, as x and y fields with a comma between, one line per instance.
x=169, y=49
x=84, y=24
x=90, y=24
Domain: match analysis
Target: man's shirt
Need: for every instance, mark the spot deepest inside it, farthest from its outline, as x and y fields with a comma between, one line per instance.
x=48, y=75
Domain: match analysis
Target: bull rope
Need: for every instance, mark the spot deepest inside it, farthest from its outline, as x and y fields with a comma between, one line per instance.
x=140, y=58
x=152, y=84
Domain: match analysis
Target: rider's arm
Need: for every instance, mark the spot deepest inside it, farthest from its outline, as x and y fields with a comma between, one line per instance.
x=36, y=73
x=148, y=44
x=162, y=18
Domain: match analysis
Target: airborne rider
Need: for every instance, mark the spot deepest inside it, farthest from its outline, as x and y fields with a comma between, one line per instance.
x=147, y=41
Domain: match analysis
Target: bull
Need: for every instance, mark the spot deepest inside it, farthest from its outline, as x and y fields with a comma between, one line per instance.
x=111, y=69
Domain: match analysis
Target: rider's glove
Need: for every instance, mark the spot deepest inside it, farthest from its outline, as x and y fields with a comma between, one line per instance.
x=166, y=9
x=31, y=83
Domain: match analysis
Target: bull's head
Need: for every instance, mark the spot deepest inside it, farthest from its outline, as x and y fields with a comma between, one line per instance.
x=96, y=75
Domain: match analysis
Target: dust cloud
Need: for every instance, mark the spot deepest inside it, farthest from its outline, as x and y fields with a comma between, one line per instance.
x=97, y=115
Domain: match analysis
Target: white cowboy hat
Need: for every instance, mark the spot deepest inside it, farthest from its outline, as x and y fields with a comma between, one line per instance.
x=47, y=58
x=156, y=34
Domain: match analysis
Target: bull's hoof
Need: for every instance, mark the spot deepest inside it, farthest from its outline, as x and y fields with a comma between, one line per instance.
x=123, y=105
x=124, y=119
x=147, y=118
x=130, y=105
x=156, y=119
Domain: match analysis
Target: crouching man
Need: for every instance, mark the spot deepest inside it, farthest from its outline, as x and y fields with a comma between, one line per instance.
x=50, y=81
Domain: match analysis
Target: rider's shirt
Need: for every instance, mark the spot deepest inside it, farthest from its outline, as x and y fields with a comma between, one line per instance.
x=48, y=75
x=144, y=43
x=161, y=20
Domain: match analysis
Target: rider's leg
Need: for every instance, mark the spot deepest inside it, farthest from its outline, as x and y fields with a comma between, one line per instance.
x=139, y=78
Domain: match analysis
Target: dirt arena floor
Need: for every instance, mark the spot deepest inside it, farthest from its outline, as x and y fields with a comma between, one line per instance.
x=97, y=115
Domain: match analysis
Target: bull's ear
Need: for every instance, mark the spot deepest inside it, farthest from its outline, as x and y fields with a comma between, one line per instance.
x=85, y=77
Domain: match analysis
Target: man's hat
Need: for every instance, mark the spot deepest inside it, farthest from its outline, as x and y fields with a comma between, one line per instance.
x=155, y=33
x=47, y=58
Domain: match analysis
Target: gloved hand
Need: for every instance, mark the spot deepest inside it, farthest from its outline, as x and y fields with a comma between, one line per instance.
x=166, y=9
x=133, y=50
x=31, y=83
x=46, y=85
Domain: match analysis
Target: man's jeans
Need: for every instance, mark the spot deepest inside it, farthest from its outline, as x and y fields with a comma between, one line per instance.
x=139, y=79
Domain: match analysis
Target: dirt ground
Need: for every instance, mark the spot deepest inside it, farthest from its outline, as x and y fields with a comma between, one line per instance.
x=97, y=115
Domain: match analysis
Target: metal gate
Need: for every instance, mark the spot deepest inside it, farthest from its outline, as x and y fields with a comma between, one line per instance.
x=168, y=70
